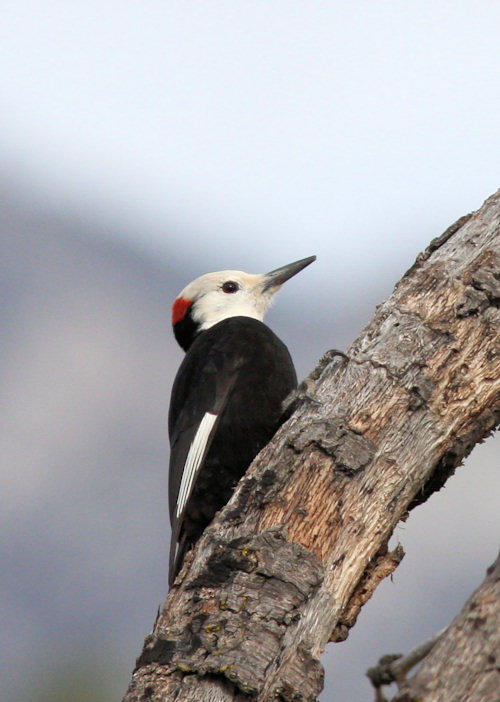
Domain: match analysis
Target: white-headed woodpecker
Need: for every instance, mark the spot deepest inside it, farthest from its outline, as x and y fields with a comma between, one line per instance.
x=227, y=396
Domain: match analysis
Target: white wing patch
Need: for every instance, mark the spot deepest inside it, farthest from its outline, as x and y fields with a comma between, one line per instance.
x=194, y=459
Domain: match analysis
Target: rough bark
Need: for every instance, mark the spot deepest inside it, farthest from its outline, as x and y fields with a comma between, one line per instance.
x=289, y=562
x=464, y=665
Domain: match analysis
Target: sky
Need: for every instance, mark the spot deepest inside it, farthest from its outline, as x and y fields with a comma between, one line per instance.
x=261, y=132
x=251, y=134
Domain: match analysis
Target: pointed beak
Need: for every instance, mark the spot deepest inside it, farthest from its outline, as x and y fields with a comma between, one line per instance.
x=277, y=277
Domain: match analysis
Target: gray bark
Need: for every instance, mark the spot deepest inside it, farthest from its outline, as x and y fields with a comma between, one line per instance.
x=464, y=665
x=289, y=562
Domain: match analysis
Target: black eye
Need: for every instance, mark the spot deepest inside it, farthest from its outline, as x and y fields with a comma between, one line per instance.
x=230, y=286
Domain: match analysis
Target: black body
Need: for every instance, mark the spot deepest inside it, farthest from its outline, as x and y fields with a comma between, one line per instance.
x=240, y=371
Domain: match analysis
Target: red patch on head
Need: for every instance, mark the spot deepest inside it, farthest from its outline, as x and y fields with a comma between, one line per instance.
x=179, y=309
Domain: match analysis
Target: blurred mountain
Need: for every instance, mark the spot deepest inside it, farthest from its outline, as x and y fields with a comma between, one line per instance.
x=86, y=364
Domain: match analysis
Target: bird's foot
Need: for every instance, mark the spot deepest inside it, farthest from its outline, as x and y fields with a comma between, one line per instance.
x=306, y=391
x=303, y=393
x=326, y=359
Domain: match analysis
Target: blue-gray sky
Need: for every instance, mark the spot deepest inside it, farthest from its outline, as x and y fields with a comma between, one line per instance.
x=349, y=130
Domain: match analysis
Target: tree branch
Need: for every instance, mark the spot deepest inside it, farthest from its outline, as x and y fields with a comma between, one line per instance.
x=464, y=664
x=302, y=544
x=395, y=667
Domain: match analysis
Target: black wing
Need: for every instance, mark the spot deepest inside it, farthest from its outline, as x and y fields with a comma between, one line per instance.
x=226, y=405
x=200, y=393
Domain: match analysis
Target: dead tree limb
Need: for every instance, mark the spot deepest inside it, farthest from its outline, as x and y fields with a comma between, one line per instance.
x=464, y=665
x=288, y=563
x=395, y=667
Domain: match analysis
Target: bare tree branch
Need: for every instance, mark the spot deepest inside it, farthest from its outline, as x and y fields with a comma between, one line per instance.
x=395, y=667
x=289, y=562
x=464, y=664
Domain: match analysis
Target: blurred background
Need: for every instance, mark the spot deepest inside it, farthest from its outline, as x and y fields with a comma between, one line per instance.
x=141, y=145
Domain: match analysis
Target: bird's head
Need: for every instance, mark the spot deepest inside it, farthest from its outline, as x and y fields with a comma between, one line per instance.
x=216, y=296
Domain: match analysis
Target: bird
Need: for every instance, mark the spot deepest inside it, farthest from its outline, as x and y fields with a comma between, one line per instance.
x=227, y=396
